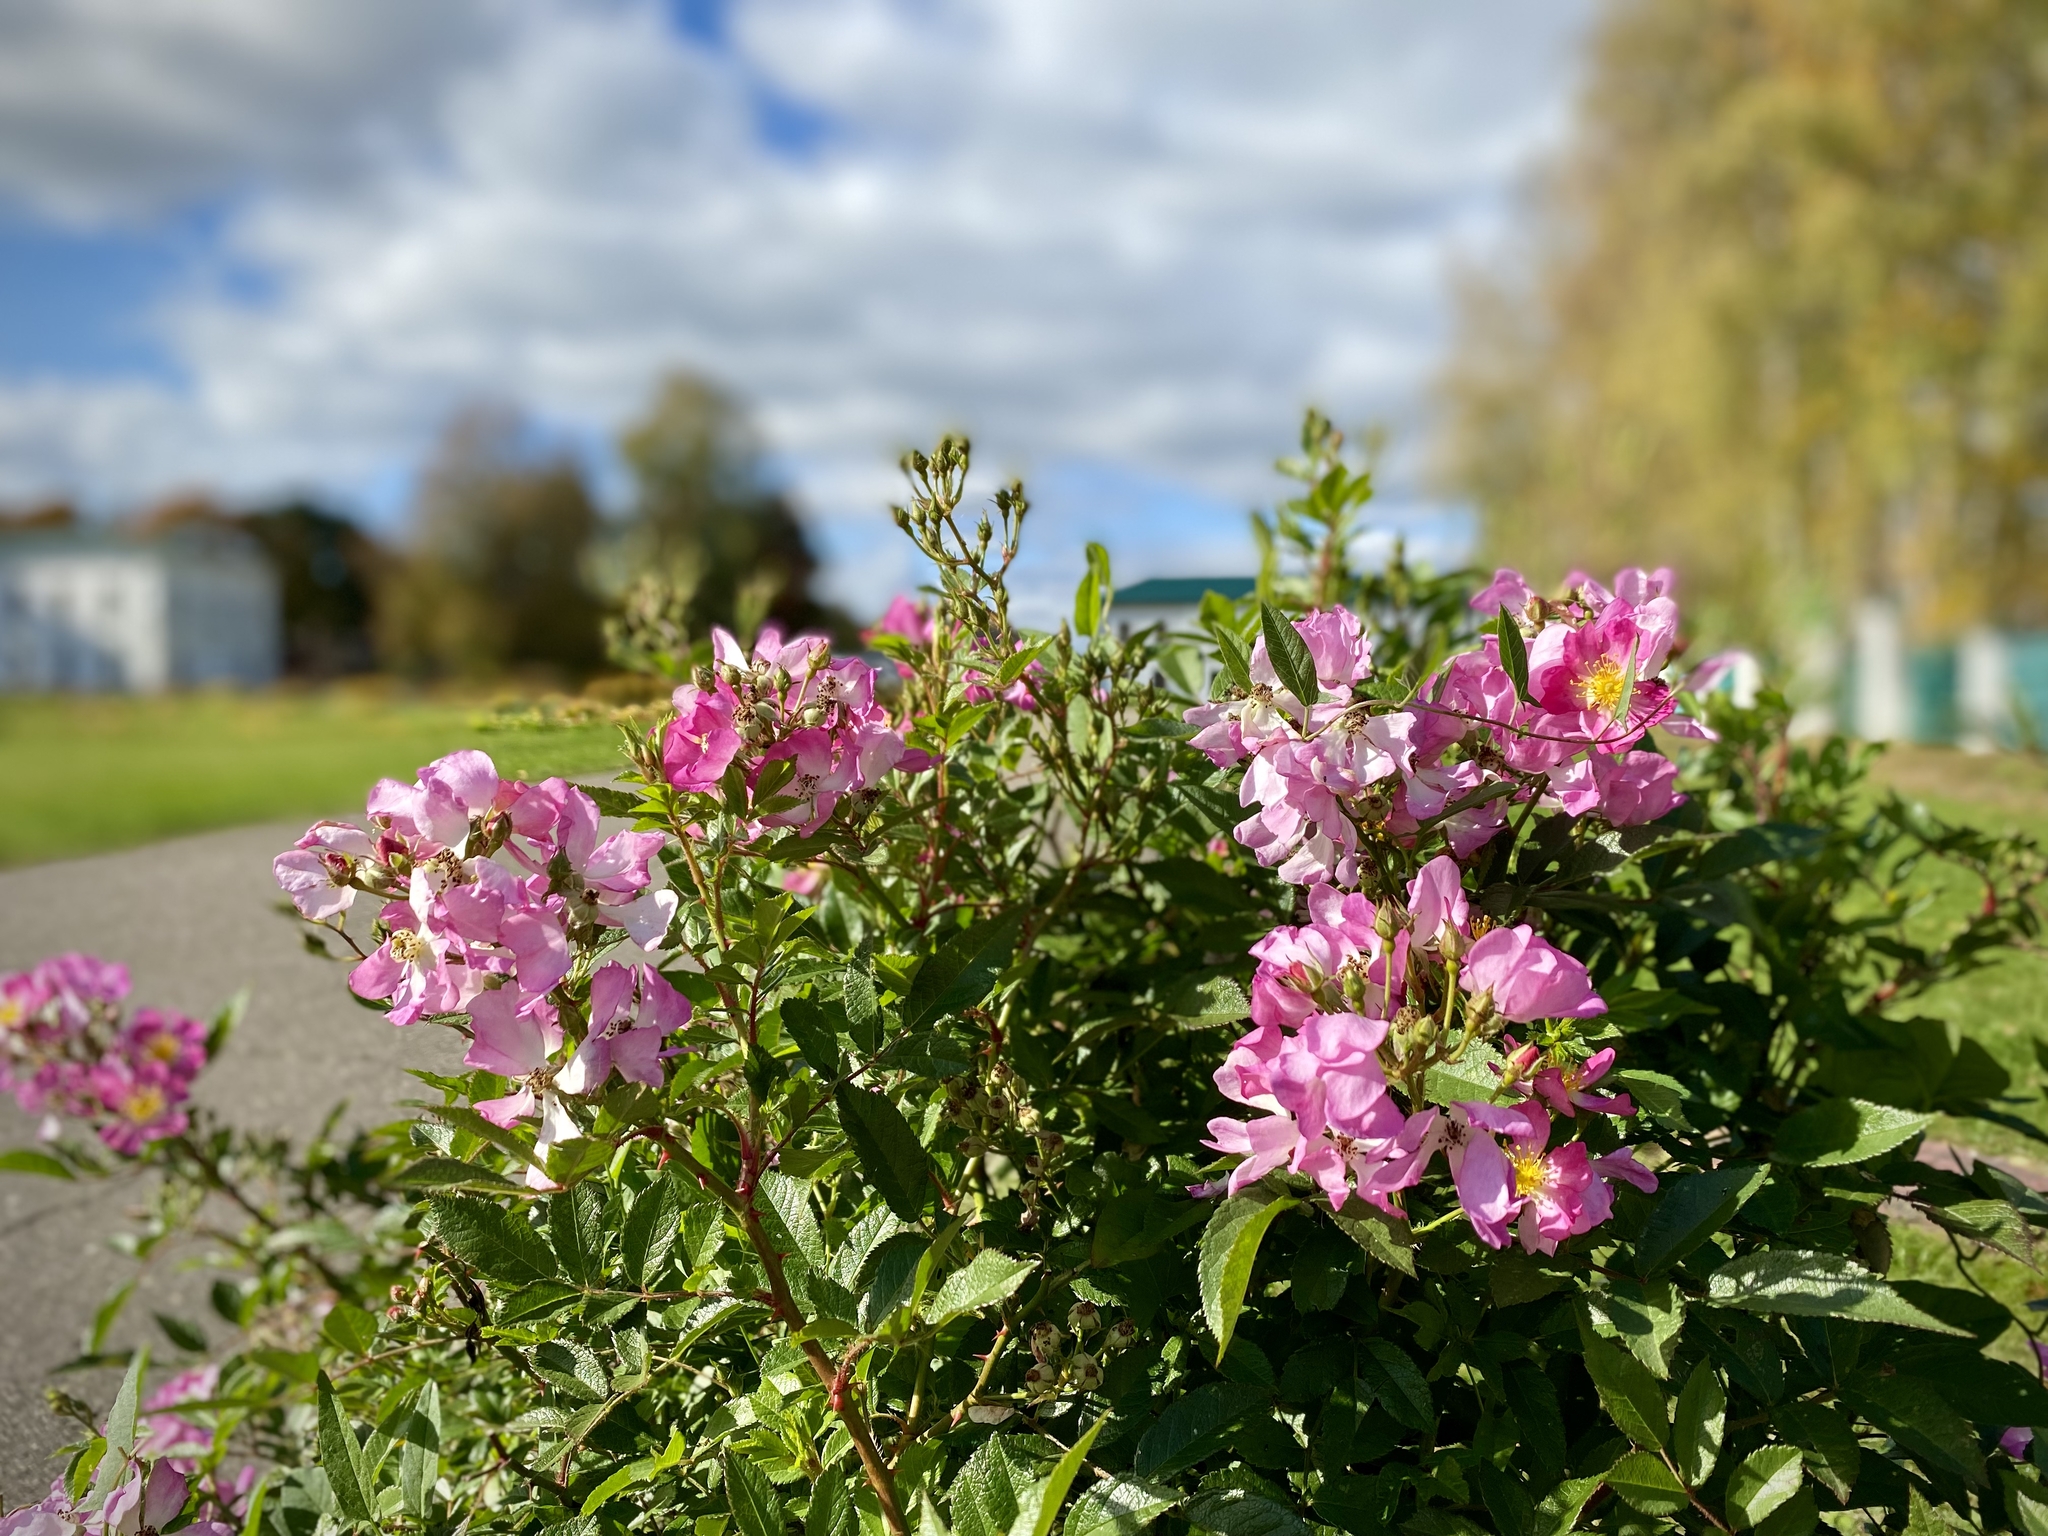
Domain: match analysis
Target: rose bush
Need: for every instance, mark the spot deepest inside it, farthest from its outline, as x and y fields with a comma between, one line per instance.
x=1337, y=1069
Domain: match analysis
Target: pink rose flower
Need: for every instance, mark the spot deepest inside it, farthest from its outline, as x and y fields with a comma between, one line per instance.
x=1529, y=977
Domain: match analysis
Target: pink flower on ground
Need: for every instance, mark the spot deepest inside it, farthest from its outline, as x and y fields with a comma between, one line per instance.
x=143, y=1100
x=702, y=740
x=623, y=1035
x=1636, y=787
x=1529, y=978
x=1563, y=1087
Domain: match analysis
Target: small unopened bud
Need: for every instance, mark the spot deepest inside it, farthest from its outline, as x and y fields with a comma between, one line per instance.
x=395, y=1314
x=1520, y=1062
x=1122, y=1335
x=1479, y=1010
x=1085, y=1373
x=1084, y=1317
x=1351, y=981
x=1046, y=1340
x=814, y=714
x=765, y=712
x=704, y=678
x=779, y=680
x=1042, y=1380
x=1385, y=922
x=1451, y=944
x=1051, y=1143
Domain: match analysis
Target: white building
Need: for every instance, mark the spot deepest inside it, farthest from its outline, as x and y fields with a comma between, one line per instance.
x=89, y=610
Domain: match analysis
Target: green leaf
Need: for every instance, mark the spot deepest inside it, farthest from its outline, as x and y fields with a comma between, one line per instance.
x=1800, y=1284
x=1839, y=1131
x=490, y=1240
x=1533, y=1399
x=1230, y=1245
x=1514, y=654
x=29, y=1160
x=831, y=1512
x=1239, y=1512
x=419, y=1463
x=1994, y=1223
x=348, y=1327
x=1194, y=1426
x=1235, y=657
x=1833, y=1456
x=341, y=1458
x=1696, y=1433
x=1207, y=998
x=790, y=1200
x=1558, y=1512
x=571, y=1367
x=1386, y=1238
x=464, y=1118
x=961, y=972
x=756, y=1508
x=184, y=1335
x=1629, y=1393
x=987, y=1278
x=618, y=803
x=451, y=1173
x=810, y=1024
x=1400, y=1387
x=576, y=1228
x=104, y=1317
x=1644, y=1317
x=1123, y=1506
x=1691, y=1209
x=863, y=1009
x=650, y=1231
x=1761, y=1482
x=1914, y=1413
x=1290, y=657
x=1645, y=1482
x=121, y=1416
x=889, y=1153
x=1092, y=597
x=1040, y=1505
x=2026, y=1503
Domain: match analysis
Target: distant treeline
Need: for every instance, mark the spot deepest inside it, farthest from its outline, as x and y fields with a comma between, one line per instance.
x=508, y=566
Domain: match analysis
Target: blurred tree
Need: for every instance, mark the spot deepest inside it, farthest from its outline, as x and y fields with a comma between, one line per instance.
x=1784, y=319
x=495, y=575
x=706, y=541
x=329, y=571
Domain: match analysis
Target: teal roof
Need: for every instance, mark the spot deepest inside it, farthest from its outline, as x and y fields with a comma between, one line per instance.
x=1175, y=591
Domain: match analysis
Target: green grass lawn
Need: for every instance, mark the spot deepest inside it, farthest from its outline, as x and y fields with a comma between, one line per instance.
x=81, y=775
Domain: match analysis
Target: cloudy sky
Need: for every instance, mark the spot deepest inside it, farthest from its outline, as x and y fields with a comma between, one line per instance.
x=265, y=244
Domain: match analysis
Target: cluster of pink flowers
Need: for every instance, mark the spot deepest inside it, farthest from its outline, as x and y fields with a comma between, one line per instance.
x=1363, y=988
x=1320, y=767
x=468, y=934
x=158, y=1484
x=66, y=1049
x=912, y=621
x=788, y=701
x=1327, y=996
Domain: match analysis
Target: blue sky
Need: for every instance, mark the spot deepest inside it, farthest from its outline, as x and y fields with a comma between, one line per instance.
x=263, y=246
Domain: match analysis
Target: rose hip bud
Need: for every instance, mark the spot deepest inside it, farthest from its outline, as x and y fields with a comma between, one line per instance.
x=395, y=1314
x=1386, y=922
x=1045, y=1342
x=1084, y=1317
x=1041, y=1380
x=399, y=1293
x=1085, y=1374
x=1122, y=1336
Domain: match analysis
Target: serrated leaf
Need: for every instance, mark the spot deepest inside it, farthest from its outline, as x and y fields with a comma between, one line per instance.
x=1828, y=1441
x=1238, y=1512
x=1397, y=1384
x=450, y=1173
x=987, y=1278
x=1289, y=655
x=1801, y=1284
x=1994, y=1223
x=756, y=1507
x=1122, y=1506
x=810, y=1024
x=576, y=1229
x=419, y=1462
x=1841, y=1131
x=1514, y=654
x=1645, y=1318
x=1642, y=1479
x=347, y=1326
x=464, y=1118
x=1235, y=658
x=790, y=1200
x=863, y=1009
x=184, y=1335
x=1761, y=1482
x=1914, y=1413
x=1229, y=1248
x=2026, y=1503
x=1697, y=1429
x=831, y=1512
x=571, y=1367
x=1690, y=1209
x=961, y=972
x=889, y=1153
x=1194, y=1426
x=1629, y=1393
x=341, y=1458
x=491, y=1241
x=650, y=1230
x=1041, y=1503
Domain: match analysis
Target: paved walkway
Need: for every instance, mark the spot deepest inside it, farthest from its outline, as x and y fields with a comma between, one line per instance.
x=195, y=920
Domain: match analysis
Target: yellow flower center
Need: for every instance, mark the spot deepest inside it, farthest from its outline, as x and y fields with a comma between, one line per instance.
x=13, y=1014
x=1532, y=1172
x=1602, y=688
x=143, y=1105
x=407, y=946
x=163, y=1047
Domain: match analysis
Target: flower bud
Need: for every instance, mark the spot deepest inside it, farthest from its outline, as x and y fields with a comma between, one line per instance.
x=1085, y=1374
x=814, y=714
x=1385, y=923
x=1084, y=1317
x=1042, y=1380
x=1046, y=1340
x=1122, y=1336
x=1452, y=944
x=1479, y=1011
x=704, y=678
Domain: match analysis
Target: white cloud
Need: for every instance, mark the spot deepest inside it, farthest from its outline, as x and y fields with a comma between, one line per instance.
x=1141, y=235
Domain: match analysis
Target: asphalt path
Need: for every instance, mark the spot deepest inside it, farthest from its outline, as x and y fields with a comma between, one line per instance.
x=195, y=920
